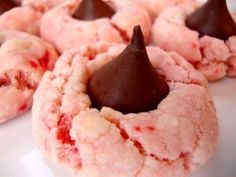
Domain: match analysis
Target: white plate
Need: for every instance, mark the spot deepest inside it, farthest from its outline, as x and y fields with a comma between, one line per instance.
x=19, y=156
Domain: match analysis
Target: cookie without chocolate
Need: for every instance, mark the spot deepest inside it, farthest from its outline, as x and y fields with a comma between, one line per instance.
x=23, y=60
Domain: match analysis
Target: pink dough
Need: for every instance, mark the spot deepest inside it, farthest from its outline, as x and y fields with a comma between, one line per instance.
x=171, y=141
x=42, y=5
x=59, y=28
x=23, y=60
x=154, y=7
x=213, y=57
x=24, y=19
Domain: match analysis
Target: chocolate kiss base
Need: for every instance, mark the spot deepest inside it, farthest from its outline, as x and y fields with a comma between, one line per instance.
x=129, y=83
x=213, y=19
x=6, y=5
x=92, y=10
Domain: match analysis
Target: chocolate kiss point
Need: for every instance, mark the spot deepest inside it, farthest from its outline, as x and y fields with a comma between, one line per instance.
x=6, y=5
x=213, y=19
x=92, y=10
x=137, y=38
x=128, y=83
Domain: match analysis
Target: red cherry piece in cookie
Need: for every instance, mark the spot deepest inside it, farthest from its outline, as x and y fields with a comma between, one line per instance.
x=129, y=83
x=44, y=61
x=23, y=107
x=6, y=5
x=92, y=10
x=213, y=19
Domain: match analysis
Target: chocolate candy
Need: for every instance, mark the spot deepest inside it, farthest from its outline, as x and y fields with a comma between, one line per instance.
x=6, y=5
x=92, y=10
x=128, y=83
x=213, y=19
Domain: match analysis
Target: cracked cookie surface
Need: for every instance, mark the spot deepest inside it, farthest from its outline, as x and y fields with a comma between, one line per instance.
x=155, y=7
x=170, y=141
x=213, y=57
x=24, y=19
x=24, y=59
x=65, y=32
x=41, y=5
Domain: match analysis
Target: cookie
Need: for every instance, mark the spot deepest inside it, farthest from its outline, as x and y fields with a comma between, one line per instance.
x=24, y=59
x=214, y=57
x=174, y=139
x=154, y=7
x=65, y=32
x=24, y=19
x=41, y=5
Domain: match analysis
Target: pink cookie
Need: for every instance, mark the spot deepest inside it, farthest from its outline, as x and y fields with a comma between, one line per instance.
x=23, y=60
x=154, y=7
x=24, y=19
x=59, y=28
x=42, y=5
x=213, y=57
x=171, y=141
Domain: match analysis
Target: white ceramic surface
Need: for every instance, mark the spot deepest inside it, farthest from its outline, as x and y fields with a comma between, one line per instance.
x=19, y=156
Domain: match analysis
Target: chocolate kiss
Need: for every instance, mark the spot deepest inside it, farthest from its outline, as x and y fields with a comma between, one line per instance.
x=128, y=83
x=6, y=5
x=213, y=19
x=93, y=9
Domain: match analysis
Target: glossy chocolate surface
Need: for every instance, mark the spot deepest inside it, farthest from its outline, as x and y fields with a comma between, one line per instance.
x=213, y=19
x=128, y=83
x=93, y=9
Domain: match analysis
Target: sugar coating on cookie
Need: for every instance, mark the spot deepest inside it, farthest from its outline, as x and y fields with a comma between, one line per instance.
x=65, y=32
x=154, y=7
x=41, y=5
x=211, y=56
x=24, y=19
x=23, y=60
x=172, y=140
